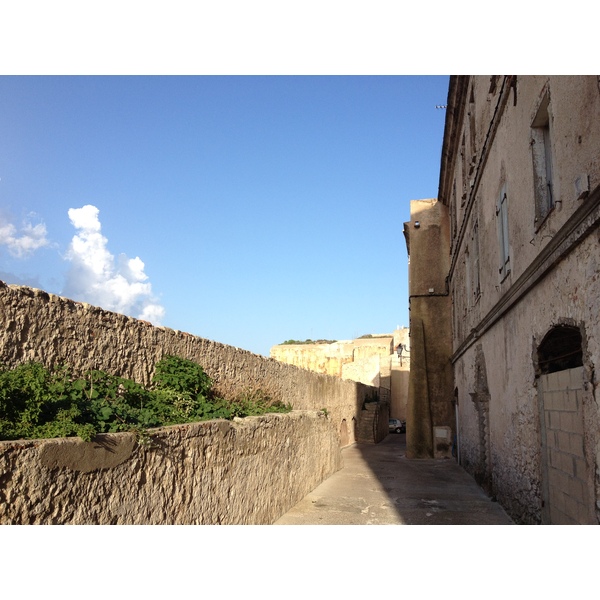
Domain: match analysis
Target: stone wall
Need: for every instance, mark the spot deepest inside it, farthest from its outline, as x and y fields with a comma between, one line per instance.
x=42, y=327
x=246, y=471
x=349, y=359
x=249, y=471
x=320, y=358
x=366, y=370
x=430, y=420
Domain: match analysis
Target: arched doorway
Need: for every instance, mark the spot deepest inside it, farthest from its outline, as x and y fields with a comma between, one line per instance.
x=567, y=489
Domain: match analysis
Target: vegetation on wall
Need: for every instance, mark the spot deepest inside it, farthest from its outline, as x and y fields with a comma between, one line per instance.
x=36, y=402
x=309, y=341
x=369, y=336
x=291, y=342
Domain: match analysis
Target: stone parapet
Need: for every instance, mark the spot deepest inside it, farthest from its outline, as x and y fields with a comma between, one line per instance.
x=249, y=471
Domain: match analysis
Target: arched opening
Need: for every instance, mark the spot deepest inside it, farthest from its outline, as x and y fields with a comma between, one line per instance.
x=561, y=349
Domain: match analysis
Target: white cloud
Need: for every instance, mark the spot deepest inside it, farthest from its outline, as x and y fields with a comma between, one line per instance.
x=25, y=242
x=95, y=277
x=85, y=217
x=153, y=313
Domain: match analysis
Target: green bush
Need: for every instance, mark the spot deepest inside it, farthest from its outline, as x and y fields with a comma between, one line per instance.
x=39, y=403
x=256, y=402
x=308, y=342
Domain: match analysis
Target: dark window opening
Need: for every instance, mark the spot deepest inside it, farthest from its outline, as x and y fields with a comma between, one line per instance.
x=560, y=349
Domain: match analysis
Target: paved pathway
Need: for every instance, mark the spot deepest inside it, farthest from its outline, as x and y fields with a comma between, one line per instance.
x=378, y=485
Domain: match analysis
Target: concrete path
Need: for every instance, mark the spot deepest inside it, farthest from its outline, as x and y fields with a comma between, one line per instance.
x=378, y=485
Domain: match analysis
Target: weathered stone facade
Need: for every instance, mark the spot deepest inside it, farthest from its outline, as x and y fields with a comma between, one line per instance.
x=520, y=177
x=249, y=471
x=358, y=359
x=430, y=413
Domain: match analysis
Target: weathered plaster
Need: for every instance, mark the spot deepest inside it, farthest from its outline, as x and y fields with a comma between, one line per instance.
x=553, y=279
x=249, y=471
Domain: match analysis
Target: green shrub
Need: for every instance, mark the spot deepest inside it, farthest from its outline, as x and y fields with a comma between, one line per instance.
x=39, y=403
x=307, y=342
x=253, y=401
x=181, y=375
x=183, y=392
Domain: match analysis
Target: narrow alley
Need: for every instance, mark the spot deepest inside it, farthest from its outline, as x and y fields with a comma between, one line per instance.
x=378, y=485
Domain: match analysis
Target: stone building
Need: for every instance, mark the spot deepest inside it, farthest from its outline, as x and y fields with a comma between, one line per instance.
x=520, y=185
x=372, y=360
x=430, y=413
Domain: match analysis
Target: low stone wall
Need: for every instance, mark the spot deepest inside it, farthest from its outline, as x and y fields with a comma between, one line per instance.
x=249, y=471
x=42, y=327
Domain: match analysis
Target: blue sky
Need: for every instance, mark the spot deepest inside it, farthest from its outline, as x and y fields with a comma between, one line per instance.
x=263, y=208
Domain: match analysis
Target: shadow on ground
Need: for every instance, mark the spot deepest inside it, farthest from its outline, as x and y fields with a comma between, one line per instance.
x=378, y=485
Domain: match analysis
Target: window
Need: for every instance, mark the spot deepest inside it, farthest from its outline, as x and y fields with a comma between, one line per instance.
x=541, y=147
x=502, y=222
